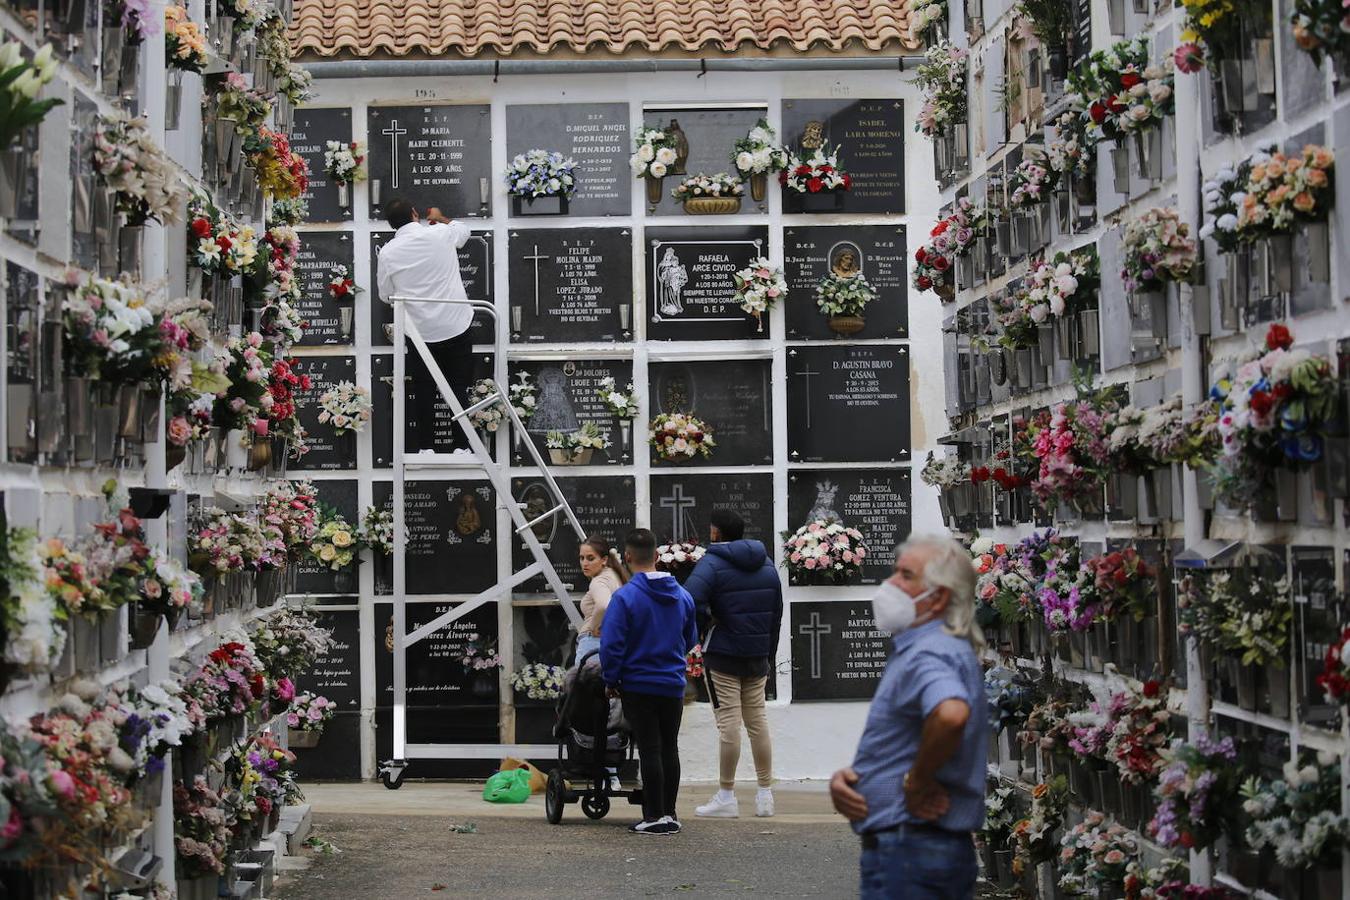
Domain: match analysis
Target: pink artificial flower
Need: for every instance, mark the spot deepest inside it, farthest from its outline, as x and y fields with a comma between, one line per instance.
x=63, y=783
x=13, y=828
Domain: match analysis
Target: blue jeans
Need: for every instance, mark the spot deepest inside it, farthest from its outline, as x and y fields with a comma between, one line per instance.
x=914, y=864
x=586, y=643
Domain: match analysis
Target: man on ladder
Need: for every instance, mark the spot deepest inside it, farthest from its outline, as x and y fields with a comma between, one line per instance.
x=422, y=260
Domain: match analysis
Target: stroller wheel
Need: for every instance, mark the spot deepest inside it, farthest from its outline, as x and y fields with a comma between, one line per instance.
x=554, y=799
x=595, y=806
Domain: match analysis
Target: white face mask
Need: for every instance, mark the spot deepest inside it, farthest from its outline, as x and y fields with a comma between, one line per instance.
x=893, y=609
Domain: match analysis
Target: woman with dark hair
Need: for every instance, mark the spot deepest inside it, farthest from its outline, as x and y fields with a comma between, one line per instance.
x=600, y=563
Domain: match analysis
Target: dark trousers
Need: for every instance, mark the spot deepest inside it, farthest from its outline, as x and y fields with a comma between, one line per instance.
x=456, y=362
x=655, y=723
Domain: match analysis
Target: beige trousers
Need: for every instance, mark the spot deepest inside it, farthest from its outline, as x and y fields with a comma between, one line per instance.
x=741, y=700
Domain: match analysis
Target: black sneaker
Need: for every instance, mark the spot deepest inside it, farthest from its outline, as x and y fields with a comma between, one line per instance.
x=674, y=823
x=660, y=826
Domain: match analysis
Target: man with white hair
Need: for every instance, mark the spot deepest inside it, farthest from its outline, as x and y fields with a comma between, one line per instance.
x=915, y=791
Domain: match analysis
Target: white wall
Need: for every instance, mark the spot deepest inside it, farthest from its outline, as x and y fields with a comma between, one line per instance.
x=812, y=739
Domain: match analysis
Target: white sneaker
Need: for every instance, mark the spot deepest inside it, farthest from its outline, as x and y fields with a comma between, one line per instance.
x=674, y=823
x=764, y=803
x=614, y=785
x=719, y=808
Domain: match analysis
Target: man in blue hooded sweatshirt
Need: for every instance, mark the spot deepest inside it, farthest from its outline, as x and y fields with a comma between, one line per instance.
x=648, y=630
x=740, y=610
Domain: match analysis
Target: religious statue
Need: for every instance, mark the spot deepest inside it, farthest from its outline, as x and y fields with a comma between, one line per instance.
x=675, y=397
x=468, y=519
x=823, y=508
x=813, y=135
x=681, y=142
x=672, y=276
x=538, y=502
x=845, y=261
x=554, y=410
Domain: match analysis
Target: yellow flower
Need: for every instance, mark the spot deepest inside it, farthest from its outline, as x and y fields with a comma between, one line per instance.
x=327, y=553
x=342, y=539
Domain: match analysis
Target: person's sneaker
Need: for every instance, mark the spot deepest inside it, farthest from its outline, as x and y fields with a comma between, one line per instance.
x=719, y=807
x=614, y=785
x=671, y=820
x=764, y=803
x=660, y=826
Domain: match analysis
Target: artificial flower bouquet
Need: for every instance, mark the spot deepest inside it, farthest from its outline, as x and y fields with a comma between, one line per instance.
x=489, y=418
x=653, y=153
x=1062, y=285
x=1321, y=27
x=345, y=162
x=377, y=530
x=942, y=78
x=289, y=642
x=679, y=437
x=20, y=82
x=336, y=543
x=824, y=549
x=1122, y=584
x=844, y=295
x=30, y=614
x=1000, y=814
x=216, y=243
x=1119, y=92
x=1197, y=794
x=679, y=557
x=1034, y=836
x=479, y=655
x=224, y=542
x=203, y=828
x=952, y=236
x=573, y=444
x=816, y=173
x=759, y=287
x=522, y=395
x=1031, y=182
x=341, y=288
x=1068, y=445
x=310, y=712
x=539, y=681
x=346, y=406
x=1129, y=731
x=1070, y=152
x=292, y=508
x=281, y=404
x=168, y=585
x=622, y=404
x=1244, y=611
x=229, y=683
x=245, y=401
x=696, y=187
x=1096, y=854
x=944, y=472
x=247, y=14
x=184, y=44
x=541, y=173
x=138, y=171
x=1065, y=593
x=925, y=19
x=759, y=153
x=1298, y=817
x=110, y=332
x=281, y=171
x=1158, y=249
x=241, y=104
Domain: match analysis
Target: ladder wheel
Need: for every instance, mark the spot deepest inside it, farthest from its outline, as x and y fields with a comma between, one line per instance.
x=554, y=801
x=391, y=781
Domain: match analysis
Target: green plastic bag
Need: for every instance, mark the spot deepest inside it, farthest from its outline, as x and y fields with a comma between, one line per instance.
x=512, y=786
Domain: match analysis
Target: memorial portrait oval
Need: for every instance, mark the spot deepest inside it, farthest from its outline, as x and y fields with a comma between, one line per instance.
x=537, y=500
x=468, y=514
x=846, y=259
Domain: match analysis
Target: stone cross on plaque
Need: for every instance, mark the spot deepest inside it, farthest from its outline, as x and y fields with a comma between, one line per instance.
x=677, y=503
x=535, y=259
x=806, y=372
x=815, y=629
x=394, y=131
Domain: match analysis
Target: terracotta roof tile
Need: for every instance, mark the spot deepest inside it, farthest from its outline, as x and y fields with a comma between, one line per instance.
x=500, y=27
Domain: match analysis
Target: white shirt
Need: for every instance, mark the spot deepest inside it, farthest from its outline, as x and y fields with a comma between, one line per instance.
x=422, y=261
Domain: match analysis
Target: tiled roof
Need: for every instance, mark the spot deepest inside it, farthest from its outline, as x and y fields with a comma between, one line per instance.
x=499, y=28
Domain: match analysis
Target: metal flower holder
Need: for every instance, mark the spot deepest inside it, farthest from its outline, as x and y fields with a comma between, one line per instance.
x=1089, y=332
x=173, y=100
x=1148, y=153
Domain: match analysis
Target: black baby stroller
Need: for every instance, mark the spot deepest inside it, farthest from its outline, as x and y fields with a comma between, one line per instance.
x=592, y=739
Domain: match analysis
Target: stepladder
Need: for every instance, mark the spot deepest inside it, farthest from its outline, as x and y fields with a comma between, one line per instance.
x=480, y=458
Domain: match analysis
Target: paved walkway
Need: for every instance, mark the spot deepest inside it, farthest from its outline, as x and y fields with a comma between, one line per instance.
x=404, y=843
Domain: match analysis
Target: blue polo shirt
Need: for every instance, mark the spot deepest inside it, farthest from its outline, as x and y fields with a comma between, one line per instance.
x=927, y=667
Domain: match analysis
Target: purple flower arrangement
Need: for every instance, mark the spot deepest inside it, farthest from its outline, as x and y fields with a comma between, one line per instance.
x=1197, y=794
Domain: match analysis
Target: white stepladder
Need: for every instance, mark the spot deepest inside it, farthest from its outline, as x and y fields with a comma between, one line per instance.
x=391, y=771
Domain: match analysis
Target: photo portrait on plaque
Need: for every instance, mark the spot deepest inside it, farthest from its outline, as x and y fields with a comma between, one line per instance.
x=869, y=137
x=690, y=281
x=874, y=252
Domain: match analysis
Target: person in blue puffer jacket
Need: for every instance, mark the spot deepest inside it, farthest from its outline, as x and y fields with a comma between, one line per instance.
x=648, y=630
x=740, y=607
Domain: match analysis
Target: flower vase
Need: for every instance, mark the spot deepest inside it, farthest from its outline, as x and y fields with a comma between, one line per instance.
x=1066, y=337
x=346, y=315
x=267, y=587
x=998, y=366
x=653, y=190
x=845, y=326
x=1045, y=340
x=173, y=456
x=344, y=194
x=562, y=457
x=822, y=201
x=1023, y=369
x=259, y=454
x=1275, y=690
x=759, y=186
x=1245, y=677
x=712, y=206
x=204, y=888
x=551, y=205
x=344, y=580
x=173, y=99
x=143, y=622
x=384, y=572
x=946, y=292
x=129, y=412
x=1089, y=333
x=484, y=683
x=235, y=447
x=302, y=739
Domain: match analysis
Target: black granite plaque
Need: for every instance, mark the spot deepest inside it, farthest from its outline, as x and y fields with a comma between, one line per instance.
x=837, y=653
x=690, y=284
x=848, y=404
x=874, y=501
x=605, y=506
x=448, y=435
x=452, y=535
x=1318, y=611
x=433, y=156
x=711, y=134
x=877, y=252
x=475, y=271
x=593, y=134
x=337, y=674
x=543, y=635
x=22, y=363
x=571, y=285
x=327, y=320
x=567, y=397
x=731, y=396
x=313, y=577
x=870, y=137
x=311, y=131
x=436, y=674
x=327, y=449
x=681, y=504
x=338, y=756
